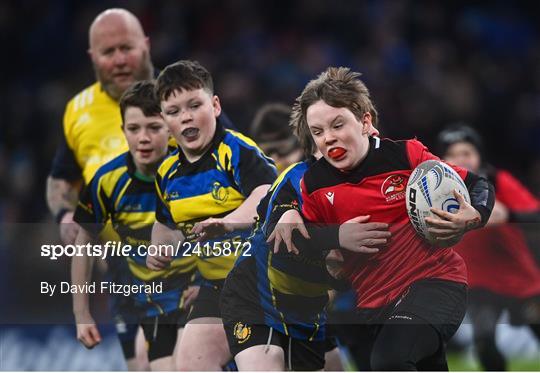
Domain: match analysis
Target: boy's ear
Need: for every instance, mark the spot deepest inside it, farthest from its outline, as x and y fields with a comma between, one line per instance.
x=216, y=105
x=367, y=125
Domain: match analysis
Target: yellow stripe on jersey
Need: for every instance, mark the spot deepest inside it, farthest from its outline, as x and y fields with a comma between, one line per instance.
x=224, y=152
x=110, y=180
x=121, y=194
x=244, y=138
x=216, y=268
x=281, y=177
x=288, y=284
x=136, y=220
x=166, y=165
x=205, y=205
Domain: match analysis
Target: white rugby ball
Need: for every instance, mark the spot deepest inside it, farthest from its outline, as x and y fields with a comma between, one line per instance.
x=431, y=184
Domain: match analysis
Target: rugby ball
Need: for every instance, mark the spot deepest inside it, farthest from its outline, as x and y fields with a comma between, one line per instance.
x=431, y=184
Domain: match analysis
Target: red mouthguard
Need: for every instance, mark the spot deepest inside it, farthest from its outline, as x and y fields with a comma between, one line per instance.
x=337, y=153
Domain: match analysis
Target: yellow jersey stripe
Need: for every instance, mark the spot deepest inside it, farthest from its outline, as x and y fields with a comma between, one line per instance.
x=288, y=284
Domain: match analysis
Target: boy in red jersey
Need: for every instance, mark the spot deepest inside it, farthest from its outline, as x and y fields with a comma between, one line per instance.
x=411, y=295
x=502, y=272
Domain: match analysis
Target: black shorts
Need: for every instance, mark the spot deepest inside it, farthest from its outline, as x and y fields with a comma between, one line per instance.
x=126, y=326
x=439, y=303
x=299, y=354
x=330, y=342
x=161, y=333
x=207, y=302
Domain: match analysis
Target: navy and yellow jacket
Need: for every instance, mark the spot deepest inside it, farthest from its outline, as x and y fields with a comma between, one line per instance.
x=115, y=193
x=213, y=186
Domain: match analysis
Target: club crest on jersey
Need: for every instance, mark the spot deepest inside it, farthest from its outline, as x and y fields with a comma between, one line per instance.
x=219, y=193
x=242, y=332
x=393, y=188
x=330, y=197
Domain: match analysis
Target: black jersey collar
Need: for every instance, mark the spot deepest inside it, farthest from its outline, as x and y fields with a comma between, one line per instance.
x=360, y=171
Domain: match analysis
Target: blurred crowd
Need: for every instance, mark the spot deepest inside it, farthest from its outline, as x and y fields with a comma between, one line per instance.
x=427, y=64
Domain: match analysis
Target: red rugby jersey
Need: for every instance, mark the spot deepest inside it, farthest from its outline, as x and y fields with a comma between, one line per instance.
x=377, y=188
x=498, y=258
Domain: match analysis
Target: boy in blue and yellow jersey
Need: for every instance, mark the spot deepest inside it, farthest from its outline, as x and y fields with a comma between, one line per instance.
x=123, y=191
x=276, y=302
x=208, y=192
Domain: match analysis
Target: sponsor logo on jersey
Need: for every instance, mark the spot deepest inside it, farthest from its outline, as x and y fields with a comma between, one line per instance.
x=393, y=188
x=242, y=332
x=132, y=207
x=330, y=196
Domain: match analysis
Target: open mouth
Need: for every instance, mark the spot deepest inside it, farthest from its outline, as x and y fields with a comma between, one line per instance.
x=145, y=152
x=190, y=133
x=337, y=153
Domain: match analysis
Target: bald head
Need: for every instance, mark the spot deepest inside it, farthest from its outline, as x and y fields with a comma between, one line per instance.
x=119, y=50
x=112, y=19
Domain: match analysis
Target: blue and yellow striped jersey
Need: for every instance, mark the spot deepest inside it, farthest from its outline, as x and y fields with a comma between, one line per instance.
x=292, y=289
x=115, y=193
x=213, y=186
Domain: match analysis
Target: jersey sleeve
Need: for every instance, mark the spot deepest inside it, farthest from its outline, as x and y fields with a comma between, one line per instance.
x=251, y=168
x=513, y=194
x=163, y=212
x=64, y=165
x=288, y=198
x=283, y=199
x=92, y=210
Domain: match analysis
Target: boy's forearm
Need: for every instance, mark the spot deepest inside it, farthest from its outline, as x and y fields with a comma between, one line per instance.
x=164, y=235
x=61, y=195
x=81, y=273
x=244, y=216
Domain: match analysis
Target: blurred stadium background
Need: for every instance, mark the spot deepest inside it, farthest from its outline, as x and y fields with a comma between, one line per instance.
x=427, y=63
